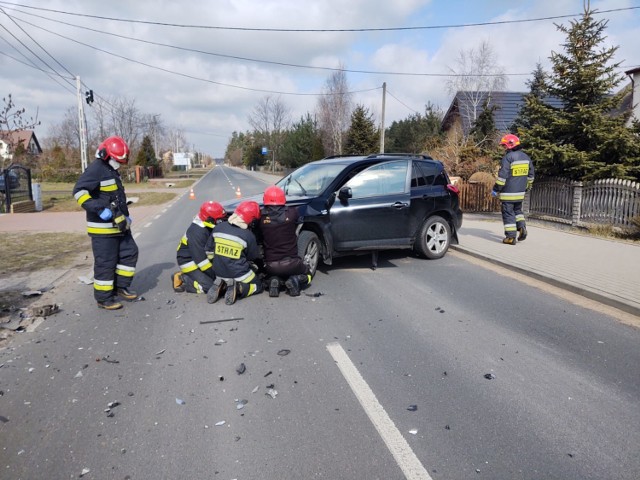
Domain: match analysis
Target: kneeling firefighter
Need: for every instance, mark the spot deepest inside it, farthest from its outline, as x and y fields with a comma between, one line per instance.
x=196, y=273
x=99, y=191
x=278, y=226
x=235, y=248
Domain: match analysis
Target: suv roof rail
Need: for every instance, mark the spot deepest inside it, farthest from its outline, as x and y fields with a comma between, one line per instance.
x=342, y=156
x=410, y=155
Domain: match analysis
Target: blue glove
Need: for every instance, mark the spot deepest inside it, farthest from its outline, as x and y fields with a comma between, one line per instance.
x=106, y=214
x=129, y=220
x=494, y=193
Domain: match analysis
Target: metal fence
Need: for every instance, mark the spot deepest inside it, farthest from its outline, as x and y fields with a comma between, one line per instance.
x=15, y=186
x=611, y=202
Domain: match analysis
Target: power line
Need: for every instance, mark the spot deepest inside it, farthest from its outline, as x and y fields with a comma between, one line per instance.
x=37, y=68
x=319, y=30
x=184, y=74
x=234, y=57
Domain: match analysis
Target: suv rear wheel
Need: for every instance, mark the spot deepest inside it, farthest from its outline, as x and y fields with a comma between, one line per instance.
x=434, y=238
x=309, y=250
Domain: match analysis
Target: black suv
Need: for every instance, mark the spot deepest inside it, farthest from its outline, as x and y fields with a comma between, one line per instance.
x=363, y=204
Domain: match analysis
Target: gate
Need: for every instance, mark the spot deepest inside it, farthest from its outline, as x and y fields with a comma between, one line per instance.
x=15, y=187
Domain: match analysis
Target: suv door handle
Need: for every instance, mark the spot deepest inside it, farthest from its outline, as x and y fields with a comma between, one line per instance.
x=400, y=205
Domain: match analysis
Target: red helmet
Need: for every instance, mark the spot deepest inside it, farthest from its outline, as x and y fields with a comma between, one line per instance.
x=274, y=196
x=248, y=211
x=211, y=212
x=510, y=141
x=113, y=148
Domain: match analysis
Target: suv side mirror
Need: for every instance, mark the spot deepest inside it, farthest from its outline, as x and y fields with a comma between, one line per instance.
x=345, y=193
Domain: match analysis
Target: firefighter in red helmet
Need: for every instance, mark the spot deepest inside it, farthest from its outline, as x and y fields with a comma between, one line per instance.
x=235, y=250
x=196, y=273
x=515, y=178
x=278, y=226
x=99, y=191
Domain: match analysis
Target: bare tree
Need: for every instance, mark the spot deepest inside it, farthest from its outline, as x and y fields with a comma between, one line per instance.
x=334, y=112
x=270, y=120
x=66, y=133
x=475, y=76
x=12, y=120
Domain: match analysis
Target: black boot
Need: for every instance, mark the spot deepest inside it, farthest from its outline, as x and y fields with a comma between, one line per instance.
x=216, y=291
x=293, y=285
x=274, y=287
x=522, y=233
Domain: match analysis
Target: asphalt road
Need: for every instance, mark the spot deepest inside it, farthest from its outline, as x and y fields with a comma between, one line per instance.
x=379, y=375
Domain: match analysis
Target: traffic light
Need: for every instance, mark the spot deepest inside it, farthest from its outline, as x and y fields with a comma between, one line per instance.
x=89, y=97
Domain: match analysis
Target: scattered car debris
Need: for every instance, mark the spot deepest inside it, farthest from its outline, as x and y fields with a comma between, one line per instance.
x=240, y=404
x=221, y=378
x=84, y=472
x=110, y=407
x=317, y=294
x=267, y=374
x=439, y=309
x=412, y=408
x=272, y=392
x=489, y=376
x=140, y=299
x=108, y=360
x=220, y=423
x=45, y=310
x=3, y=419
x=447, y=427
x=413, y=431
x=220, y=342
x=179, y=401
x=78, y=375
x=31, y=293
x=257, y=387
x=161, y=351
x=284, y=352
x=241, y=368
x=85, y=280
x=204, y=322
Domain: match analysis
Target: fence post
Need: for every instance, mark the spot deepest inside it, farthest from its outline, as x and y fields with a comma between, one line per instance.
x=577, y=204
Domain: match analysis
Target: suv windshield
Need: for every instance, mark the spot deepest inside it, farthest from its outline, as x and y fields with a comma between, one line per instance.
x=310, y=180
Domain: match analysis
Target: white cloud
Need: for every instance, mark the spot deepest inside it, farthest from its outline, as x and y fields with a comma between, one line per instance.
x=207, y=106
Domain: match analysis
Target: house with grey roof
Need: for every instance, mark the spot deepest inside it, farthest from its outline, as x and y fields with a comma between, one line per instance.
x=9, y=141
x=467, y=106
x=632, y=99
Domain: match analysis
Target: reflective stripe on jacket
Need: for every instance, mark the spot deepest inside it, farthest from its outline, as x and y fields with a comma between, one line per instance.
x=99, y=186
x=192, y=254
x=514, y=177
x=234, y=248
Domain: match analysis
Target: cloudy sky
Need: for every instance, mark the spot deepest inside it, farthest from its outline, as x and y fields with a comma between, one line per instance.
x=203, y=65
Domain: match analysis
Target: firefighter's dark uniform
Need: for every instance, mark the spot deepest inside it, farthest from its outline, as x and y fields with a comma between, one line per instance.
x=115, y=253
x=515, y=177
x=234, y=249
x=278, y=226
x=198, y=274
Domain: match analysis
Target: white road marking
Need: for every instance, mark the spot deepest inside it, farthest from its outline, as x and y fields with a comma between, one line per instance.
x=397, y=445
x=147, y=225
x=136, y=235
x=157, y=217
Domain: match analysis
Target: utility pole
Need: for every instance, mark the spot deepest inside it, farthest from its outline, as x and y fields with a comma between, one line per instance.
x=83, y=126
x=384, y=95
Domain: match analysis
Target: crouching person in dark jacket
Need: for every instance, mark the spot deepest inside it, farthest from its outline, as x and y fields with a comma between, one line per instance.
x=278, y=227
x=235, y=248
x=196, y=273
x=99, y=191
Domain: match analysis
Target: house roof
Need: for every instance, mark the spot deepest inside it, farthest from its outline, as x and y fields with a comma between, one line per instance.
x=508, y=103
x=17, y=137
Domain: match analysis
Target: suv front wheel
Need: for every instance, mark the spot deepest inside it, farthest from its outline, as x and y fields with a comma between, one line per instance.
x=309, y=250
x=434, y=238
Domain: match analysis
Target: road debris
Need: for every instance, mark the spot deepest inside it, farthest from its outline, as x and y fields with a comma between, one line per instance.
x=84, y=472
x=240, y=404
x=413, y=431
x=272, y=392
x=179, y=401
x=317, y=294
x=412, y=408
x=241, y=368
x=45, y=310
x=284, y=352
x=204, y=322
x=489, y=376
x=220, y=423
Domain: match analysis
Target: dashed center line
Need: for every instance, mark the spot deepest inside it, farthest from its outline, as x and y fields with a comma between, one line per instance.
x=396, y=443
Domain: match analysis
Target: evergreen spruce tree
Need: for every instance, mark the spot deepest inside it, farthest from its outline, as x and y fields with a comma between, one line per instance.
x=587, y=138
x=363, y=137
x=146, y=155
x=484, y=132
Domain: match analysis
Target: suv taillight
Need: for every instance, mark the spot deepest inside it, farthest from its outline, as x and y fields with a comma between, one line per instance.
x=453, y=189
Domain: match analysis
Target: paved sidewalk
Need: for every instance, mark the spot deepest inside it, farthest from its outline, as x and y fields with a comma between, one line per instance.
x=607, y=271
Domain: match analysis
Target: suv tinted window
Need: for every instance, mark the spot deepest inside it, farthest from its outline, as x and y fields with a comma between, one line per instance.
x=383, y=179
